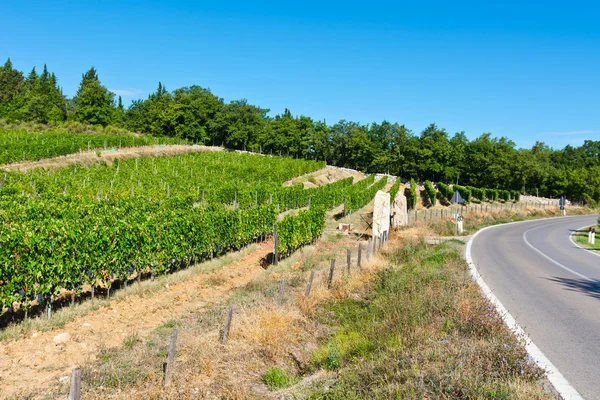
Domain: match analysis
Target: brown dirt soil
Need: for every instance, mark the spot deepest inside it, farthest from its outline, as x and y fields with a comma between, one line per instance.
x=325, y=176
x=37, y=362
x=90, y=157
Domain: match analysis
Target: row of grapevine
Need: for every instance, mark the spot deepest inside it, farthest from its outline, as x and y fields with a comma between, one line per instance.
x=208, y=178
x=358, y=197
x=445, y=190
x=394, y=189
x=481, y=194
x=306, y=227
x=51, y=243
x=431, y=192
x=20, y=145
x=412, y=198
x=295, y=231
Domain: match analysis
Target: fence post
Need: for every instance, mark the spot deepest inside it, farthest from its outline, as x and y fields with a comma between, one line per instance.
x=75, y=391
x=368, y=249
x=331, y=269
x=168, y=367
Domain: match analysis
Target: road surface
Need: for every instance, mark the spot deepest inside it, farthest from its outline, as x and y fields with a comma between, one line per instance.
x=552, y=288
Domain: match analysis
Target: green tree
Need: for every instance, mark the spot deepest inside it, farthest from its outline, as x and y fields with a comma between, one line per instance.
x=94, y=103
x=12, y=85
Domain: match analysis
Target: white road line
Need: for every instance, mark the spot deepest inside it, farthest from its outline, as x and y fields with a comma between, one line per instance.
x=552, y=260
x=560, y=383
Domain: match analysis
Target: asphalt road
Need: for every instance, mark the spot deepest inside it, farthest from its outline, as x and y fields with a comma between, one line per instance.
x=552, y=288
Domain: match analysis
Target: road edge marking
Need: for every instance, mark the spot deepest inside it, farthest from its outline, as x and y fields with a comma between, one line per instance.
x=560, y=383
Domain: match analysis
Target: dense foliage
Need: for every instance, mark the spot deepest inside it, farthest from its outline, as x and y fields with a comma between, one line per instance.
x=90, y=225
x=431, y=192
x=394, y=189
x=412, y=194
x=445, y=191
x=196, y=114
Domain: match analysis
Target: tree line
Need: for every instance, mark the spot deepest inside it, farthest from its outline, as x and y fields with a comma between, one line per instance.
x=196, y=114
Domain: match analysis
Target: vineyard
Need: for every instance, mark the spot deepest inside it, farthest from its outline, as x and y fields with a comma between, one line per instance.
x=21, y=145
x=90, y=226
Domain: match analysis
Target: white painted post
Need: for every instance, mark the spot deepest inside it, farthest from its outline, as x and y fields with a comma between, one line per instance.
x=590, y=236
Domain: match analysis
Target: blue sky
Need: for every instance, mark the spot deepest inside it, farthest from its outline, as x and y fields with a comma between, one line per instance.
x=525, y=70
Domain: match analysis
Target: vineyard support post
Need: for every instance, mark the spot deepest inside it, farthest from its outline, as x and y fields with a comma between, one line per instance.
x=227, y=324
x=348, y=259
x=276, y=250
x=168, y=366
x=75, y=390
x=309, y=286
x=359, y=255
x=368, y=249
x=331, y=269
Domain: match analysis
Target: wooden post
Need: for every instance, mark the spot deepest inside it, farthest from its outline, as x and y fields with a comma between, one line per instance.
x=359, y=255
x=276, y=251
x=374, y=245
x=345, y=205
x=168, y=366
x=227, y=324
x=281, y=289
x=368, y=249
x=416, y=215
x=348, y=259
x=75, y=391
x=309, y=286
x=331, y=269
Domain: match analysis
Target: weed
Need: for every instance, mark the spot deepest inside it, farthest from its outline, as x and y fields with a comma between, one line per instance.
x=276, y=378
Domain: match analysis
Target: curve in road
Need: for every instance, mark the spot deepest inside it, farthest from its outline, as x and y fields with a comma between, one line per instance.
x=541, y=281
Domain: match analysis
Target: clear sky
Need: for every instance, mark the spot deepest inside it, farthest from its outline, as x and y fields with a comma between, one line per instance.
x=525, y=70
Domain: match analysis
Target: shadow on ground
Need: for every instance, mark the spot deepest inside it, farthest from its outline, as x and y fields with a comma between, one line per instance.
x=591, y=288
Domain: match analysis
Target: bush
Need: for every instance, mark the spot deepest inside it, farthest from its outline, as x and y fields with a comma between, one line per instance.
x=431, y=192
x=516, y=195
x=276, y=378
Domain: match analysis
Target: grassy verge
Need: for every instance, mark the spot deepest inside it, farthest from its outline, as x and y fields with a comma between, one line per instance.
x=581, y=238
x=422, y=331
x=475, y=221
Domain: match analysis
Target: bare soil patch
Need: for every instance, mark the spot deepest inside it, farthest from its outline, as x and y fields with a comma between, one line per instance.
x=325, y=176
